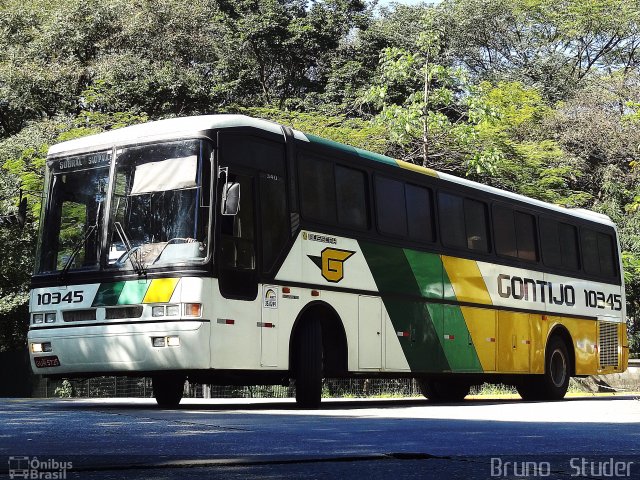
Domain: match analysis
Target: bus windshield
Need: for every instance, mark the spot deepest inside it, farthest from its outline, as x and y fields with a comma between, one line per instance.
x=159, y=213
x=71, y=229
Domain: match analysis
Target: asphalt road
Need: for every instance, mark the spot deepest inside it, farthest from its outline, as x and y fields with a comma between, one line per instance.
x=590, y=437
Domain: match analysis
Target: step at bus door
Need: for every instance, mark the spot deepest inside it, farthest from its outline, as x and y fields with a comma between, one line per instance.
x=369, y=333
x=269, y=326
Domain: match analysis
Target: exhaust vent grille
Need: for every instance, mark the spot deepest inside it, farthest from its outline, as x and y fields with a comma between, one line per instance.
x=608, y=344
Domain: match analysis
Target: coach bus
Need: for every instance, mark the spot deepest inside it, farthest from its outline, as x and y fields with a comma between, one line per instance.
x=225, y=249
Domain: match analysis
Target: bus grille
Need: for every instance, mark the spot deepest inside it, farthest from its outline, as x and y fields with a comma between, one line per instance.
x=79, y=315
x=608, y=344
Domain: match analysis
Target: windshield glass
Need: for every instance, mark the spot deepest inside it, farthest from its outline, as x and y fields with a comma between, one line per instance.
x=159, y=213
x=73, y=215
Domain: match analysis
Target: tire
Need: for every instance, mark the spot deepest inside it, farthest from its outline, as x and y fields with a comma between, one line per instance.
x=168, y=390
x=308, y=364
x=441, y=391
x=553, y=384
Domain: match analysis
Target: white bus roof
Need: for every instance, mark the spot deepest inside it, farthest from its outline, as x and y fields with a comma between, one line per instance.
x=150, y=131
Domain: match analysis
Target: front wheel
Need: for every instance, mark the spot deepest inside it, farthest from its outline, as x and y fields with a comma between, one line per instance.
x=440, y=391
x=308, y=366
x=168, y=390
x=553, y=384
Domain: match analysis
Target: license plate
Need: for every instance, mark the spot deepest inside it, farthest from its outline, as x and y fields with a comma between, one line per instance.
x=42, y=362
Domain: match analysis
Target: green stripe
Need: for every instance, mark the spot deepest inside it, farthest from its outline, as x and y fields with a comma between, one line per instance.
x=376, y=157
x=133, y=292
x=393, y=275
x=108, y=294
x=448, y=320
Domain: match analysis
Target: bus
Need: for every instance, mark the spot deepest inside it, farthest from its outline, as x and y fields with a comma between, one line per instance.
x=229, y=250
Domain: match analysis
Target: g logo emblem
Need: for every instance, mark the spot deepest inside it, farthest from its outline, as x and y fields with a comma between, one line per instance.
x=331, y=263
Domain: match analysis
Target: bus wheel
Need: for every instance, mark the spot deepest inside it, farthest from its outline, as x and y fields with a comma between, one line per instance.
x=555, y=381
x=308, y=366
x=440, y=391
x=168, y=390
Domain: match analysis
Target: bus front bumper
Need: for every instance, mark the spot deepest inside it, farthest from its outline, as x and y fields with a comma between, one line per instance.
x=123, y=348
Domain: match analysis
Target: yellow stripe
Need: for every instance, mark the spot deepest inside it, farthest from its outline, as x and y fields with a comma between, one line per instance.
x=160, y=290
x=417, y=168
x=466, y=280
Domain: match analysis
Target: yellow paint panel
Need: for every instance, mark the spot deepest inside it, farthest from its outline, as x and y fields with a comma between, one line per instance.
x=514, y=342
x=481, y=323
x=466, y=280
x=585, y=338
x=160, y=290
x=417, y=168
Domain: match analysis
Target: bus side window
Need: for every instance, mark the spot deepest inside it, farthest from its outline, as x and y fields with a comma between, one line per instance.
x=559, y=244
x=274, y=218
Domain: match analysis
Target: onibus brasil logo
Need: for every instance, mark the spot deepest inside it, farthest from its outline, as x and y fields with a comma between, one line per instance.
x=37, y=469
x=331, y=263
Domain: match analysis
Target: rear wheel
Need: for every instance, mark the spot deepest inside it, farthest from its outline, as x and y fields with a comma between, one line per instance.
x=440, y=391
x=168, y=390
x=553, y=384
x=308, y=364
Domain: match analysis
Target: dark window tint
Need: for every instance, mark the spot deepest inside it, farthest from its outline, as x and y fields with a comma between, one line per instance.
x=451, y=214
x=390, y=206
x=590, y=260
x=504, y=231
x=475, y=214
x=526, y=236
x=569, y=246
x=274, y=218
x=550, y=243
x=607, y=256
x=597, y=253
x=419, y=213
x=351, y=197
x=559, y=244
x=317, y=189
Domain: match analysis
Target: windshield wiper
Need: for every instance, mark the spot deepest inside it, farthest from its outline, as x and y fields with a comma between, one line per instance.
x=136, y=261
x=77, y=248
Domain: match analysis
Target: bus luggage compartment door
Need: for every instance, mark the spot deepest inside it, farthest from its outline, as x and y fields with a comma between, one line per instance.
x=369, y=333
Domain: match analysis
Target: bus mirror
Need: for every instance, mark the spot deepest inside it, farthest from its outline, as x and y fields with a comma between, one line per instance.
x=231, y=198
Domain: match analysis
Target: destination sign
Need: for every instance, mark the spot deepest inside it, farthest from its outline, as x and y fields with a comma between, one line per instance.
x=81, y=162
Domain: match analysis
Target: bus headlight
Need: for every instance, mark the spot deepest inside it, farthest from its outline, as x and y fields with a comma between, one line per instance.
x=50, y=317
x=38, y=318
x=157, y=311
x=41, y=347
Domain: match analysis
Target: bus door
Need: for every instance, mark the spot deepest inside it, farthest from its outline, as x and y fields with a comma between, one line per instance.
x=253, y=241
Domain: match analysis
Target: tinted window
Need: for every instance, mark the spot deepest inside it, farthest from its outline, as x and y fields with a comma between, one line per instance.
x=597, y=253
x=590, y=260
x=504, y=231
x=607, y=256
x=274, y=217
x=419, y=213
x=317, y=189
x=526, y=236
x=550, y=243
x=475, y=214
x=559, y=244
x=351, y=197
x=569, y=246
x=390, y=206
x=451, y=214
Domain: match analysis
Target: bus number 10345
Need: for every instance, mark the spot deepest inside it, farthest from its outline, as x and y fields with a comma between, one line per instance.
x=56, y=298
x=595, y=299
